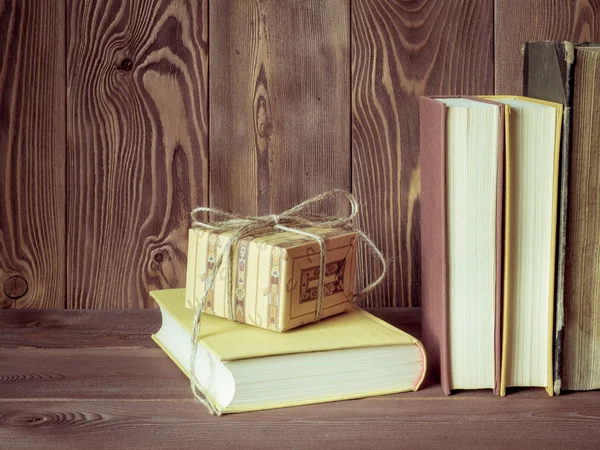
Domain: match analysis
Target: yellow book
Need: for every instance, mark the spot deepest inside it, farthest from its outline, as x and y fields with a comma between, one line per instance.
x=245, y=368
x=532, y=146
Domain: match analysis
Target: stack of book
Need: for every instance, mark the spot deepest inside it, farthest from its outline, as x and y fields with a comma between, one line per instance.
x=511, y=228
x=273, y=355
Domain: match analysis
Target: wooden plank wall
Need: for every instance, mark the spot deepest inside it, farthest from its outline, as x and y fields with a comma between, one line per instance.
x=402, y=50
x=113, y=124
x=32, y=154
x=530, y=20
x=137, y=146
x=279, y=96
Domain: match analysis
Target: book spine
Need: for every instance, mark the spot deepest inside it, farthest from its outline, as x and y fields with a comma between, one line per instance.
x=434, y=300
x=500, y=226
x=566, y=55
x=548, y=69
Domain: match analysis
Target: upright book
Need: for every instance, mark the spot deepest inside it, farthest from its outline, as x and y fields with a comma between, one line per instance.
x=488, y=205
x=532, y=149
x=244, y=368
x=570, y=74
x=462, y=196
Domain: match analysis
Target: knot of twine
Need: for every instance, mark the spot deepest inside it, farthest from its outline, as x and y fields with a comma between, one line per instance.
x=291, y=220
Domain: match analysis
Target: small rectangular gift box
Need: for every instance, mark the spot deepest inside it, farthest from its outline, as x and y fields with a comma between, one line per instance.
x=274, y=275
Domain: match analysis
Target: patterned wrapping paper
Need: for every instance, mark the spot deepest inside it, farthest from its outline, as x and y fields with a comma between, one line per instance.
x=274, y=277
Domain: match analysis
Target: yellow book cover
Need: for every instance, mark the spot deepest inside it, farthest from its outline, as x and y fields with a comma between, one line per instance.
x=515, y=166
x=245, y=368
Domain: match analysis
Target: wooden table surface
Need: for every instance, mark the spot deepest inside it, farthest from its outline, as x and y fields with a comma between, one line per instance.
x=94, y=379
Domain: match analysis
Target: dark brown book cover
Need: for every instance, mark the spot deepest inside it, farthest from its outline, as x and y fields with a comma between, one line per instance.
x=551, y=72
x=548, y=75
x=434, y=257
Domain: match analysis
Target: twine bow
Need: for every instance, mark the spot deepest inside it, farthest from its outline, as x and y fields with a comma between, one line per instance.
x=293, y=220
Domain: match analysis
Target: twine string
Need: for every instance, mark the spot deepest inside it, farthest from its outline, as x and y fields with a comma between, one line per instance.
x=292, y=220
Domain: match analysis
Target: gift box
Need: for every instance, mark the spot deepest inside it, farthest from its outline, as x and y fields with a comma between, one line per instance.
x=274, y=275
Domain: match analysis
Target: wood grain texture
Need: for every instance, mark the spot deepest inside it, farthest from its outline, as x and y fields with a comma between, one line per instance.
x=398, y=421
x=107, y=396
x=581, y=341
x=137, y=146
x=85, y=373
x=401, y=50
x=32, y=154
x=82, y=328
x=518, y=21
x=279, y=102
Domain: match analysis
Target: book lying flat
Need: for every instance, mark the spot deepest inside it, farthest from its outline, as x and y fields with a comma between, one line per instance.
x=462, y=170
x=245, y=368
x=570, y=74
